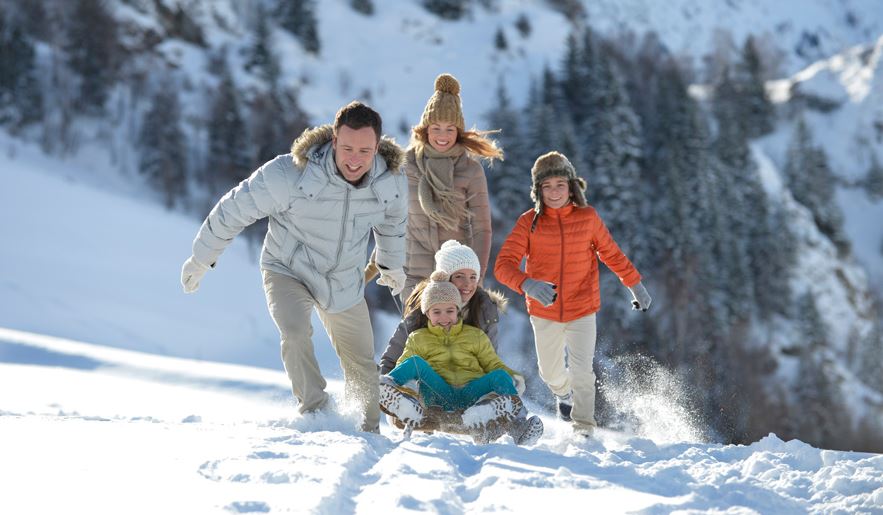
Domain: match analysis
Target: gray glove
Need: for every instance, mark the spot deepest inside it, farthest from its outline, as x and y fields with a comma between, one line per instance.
x=641, y=299
x=540, y=290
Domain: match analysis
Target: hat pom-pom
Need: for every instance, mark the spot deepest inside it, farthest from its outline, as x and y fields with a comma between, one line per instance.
x=446, y=83
x=439, y=276
x=450, y=243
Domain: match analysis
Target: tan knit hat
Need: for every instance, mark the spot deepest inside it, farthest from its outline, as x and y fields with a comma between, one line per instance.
x=556, y=164
x=438, y=291
x=444, y=104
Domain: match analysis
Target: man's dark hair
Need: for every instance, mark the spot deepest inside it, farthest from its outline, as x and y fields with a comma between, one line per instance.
x=357, y=115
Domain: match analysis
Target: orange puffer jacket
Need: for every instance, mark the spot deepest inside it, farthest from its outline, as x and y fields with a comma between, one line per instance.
x=563, y=250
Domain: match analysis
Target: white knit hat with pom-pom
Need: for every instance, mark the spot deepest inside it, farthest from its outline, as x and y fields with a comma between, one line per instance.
x=440, y=291
x=453, y=256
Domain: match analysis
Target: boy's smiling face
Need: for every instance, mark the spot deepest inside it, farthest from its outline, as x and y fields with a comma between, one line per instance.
x=555, y=191
x=444, y=315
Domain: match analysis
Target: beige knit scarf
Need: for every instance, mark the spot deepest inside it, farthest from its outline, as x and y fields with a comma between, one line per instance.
x=435, y=188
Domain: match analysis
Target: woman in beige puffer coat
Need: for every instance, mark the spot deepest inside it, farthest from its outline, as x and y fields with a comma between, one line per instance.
x=448, y=195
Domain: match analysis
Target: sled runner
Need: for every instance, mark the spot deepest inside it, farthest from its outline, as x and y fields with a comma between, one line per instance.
x=489, y=418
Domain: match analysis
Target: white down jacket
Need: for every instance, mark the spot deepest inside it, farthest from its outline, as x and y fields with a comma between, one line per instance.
x=319, y=224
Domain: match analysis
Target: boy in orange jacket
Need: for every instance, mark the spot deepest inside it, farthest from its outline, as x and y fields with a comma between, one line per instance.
x=562, y=239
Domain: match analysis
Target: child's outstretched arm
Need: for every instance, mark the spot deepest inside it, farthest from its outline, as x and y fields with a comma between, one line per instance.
x=615, y=259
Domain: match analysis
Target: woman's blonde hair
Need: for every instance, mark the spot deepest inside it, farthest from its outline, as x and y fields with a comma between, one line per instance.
x=475, y=141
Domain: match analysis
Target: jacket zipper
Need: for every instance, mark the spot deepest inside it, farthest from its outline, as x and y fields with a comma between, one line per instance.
x=561, y=273
x=346, y=211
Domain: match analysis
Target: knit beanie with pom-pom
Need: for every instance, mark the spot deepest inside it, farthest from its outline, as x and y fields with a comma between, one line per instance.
x=439, y=291
x=453, y=256
x=444, y=104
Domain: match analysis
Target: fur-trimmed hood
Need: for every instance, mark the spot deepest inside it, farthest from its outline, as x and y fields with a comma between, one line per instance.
x=392, y=154
x=498, y=298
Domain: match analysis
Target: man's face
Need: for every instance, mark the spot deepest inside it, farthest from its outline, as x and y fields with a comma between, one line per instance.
x=354, y=151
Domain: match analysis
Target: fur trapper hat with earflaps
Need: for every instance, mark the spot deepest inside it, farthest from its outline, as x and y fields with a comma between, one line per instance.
x=444, y=104
x=440, y=291
x=555, y=164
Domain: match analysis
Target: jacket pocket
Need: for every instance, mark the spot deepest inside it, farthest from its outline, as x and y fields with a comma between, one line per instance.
x=362, y=225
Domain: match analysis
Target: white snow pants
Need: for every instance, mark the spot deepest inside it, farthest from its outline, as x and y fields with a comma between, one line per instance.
x=291, y=304
x=575, y=374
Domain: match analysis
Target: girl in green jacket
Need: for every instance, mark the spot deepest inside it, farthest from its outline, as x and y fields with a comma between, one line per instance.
x=455, y=368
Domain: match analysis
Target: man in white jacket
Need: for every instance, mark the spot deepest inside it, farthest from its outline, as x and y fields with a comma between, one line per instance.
x=322, y=200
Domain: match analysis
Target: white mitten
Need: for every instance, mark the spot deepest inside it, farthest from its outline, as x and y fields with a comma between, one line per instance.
x=191, y=274
x=393, y=279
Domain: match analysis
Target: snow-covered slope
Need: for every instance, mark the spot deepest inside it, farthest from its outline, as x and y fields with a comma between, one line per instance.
x=852, y=82
x=96, y=430
x=84, y=263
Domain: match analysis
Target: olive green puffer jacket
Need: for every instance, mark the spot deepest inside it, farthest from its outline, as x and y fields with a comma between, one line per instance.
x=459, y=356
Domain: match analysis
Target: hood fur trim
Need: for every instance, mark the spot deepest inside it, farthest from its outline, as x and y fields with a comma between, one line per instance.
x=499, y=299
x=393, y=154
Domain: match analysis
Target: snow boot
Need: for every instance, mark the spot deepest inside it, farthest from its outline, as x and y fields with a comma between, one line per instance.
x=400, y=402
x=491, y=407
x=491, y=415
x=526, y=431
x=565, y=405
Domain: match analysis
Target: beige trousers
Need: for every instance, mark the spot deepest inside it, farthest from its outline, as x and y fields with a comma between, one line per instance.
x=291, y=304
x=575, y=374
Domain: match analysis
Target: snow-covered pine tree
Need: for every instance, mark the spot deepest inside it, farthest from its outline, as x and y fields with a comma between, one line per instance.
x=740, y=191
x=756, y=110
x=447, y=9
x=680, y=219
x=820, y=411
x=541, y=125
x=615, y=163
x=577, y=76
x=259, y=55
x=869, y=355
x=365, y=7
x=773, y=255
x=21, y=98
x=276, y=118
x=500, y=42
x=162, y=146
x=811, y=181
x=92, y=52
x=228, y=159
x=299, y=18
x=509, y=180
x=873, y=181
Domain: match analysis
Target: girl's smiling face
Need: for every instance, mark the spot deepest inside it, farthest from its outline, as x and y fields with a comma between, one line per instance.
x=444, y=315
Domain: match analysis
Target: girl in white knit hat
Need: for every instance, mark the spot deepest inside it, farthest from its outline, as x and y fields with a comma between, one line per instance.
x=481, y=308
x=455, y=368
